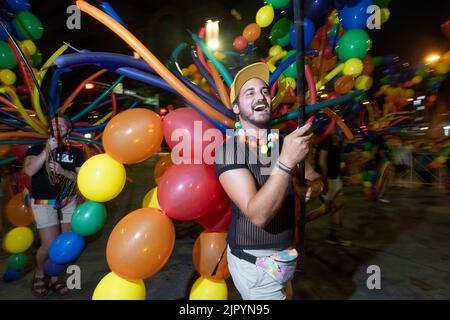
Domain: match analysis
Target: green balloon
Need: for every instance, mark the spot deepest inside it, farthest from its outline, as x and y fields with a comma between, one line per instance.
x=278, y=4
x=291, y=71
x=423, y=72
x=17, y=262
x=88, y=218
x=367, y=146
x=28, y=26
x=36, y=59
x=354, y=43
x=361, y=97
x=283, y=41
x=280, y=29
x=446, y=152
x=377, y=60
x=386, y=80
x=365, y=176
x=381, y=3
x=7, y=57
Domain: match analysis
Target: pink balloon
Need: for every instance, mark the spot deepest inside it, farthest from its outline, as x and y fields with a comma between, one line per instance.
x=216, y=222
x=186, y=123
x=240, y=43
x=189, y=191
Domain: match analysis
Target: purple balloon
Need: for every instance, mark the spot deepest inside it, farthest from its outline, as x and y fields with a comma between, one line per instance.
x=53, y=269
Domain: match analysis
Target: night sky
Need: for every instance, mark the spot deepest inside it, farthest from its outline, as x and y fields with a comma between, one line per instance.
x=412, y=31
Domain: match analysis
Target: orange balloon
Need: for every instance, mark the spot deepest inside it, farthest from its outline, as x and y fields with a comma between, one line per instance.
x=344, y=84
x=368, y=65
x=140, y=244
x=210, y=255
x=18, y=213
x=252, y=32
x=133, y=135
x=325, y=65
x=161, y=166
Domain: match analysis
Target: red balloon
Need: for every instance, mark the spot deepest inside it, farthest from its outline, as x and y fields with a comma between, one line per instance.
x=216, y=222
x=190, y=125
x=20, y=150
x=446, y=28
x=189, y=191
x=240, y=43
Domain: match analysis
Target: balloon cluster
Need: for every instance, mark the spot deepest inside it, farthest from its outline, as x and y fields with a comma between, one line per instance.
x=18, y=240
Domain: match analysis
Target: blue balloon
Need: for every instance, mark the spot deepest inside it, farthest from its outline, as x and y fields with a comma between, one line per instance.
x=11, y=275
x=309, y=32
x=356, y=108
x=66, y=247
x=53, y=269
x=18, y=5
x=355, y=17
x=315, y=9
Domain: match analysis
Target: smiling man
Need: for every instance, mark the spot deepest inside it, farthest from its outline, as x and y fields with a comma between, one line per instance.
x=261, y=258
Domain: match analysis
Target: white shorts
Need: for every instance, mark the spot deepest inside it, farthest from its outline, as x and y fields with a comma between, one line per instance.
x=334, y=188
x=45, y=215
x=252, y=282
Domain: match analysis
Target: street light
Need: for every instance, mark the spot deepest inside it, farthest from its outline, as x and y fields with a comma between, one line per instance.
x=433, y=57
x=212, y=34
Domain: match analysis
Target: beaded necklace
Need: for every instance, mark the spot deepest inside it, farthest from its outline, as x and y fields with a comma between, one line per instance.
x=265, y=143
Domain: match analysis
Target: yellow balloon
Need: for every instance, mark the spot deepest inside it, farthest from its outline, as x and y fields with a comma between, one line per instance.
x=442, y=67
x=363, y=82
x=101, y=178
x=409, y=93
x=204, y=289
x=151, y=199
x=441, y=159
x=28, y=47
x=291, y=82
x=417, y=79
x=353, y=67
x=385, y=14
x=7, y=77
x=113, y=287
x=185, y=72
x=367, y=184
x=18, y=240
x=264, y=16
x=366, y=154
x=275, y=50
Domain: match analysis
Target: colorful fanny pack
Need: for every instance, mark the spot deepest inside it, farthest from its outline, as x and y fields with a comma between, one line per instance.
x=280, y=267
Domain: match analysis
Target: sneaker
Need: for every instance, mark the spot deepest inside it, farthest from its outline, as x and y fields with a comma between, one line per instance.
x=383, y=200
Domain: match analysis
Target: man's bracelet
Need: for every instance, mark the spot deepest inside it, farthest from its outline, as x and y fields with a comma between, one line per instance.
x=280, y=165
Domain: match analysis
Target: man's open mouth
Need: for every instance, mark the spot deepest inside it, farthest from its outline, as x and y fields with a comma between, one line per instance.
x=260, y=107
